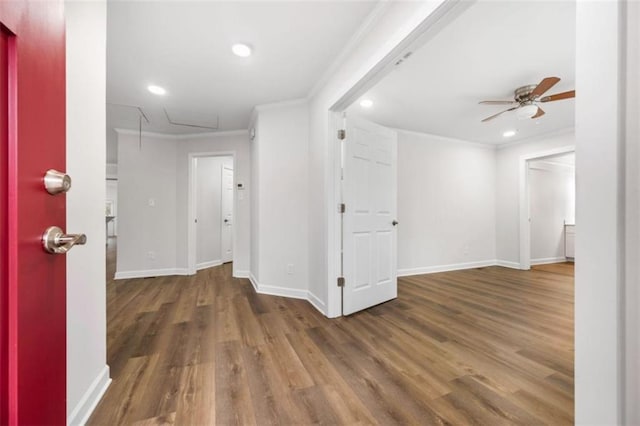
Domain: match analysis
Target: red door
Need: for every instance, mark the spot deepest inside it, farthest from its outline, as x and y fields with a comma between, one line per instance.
x=32, y=282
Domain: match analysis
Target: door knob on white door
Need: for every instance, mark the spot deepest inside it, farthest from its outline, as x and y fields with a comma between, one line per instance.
x=55, y=241
x=394, y=223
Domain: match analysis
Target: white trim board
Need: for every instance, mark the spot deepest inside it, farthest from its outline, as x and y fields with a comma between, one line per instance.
x=536, y=138
x=445, y=268
x=80, y=414
x=439, y=138
x=274, y=290
x=292, y=293
x=241, y=274
x=407, y=272
x=209, y=264
x=317, y=303
x=548, y=260
x=282, y=104
x=507, y=264
x=150, y=273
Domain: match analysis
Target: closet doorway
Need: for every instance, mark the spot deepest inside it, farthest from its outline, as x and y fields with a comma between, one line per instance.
x=211, y=210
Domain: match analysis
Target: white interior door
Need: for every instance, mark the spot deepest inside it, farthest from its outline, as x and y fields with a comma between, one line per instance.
x=369, y=222
x=227, y=214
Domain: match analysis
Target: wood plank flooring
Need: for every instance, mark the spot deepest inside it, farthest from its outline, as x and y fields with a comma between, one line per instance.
x=486, y=346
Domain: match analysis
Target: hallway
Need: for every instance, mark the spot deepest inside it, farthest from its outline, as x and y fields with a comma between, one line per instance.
x=488, y=346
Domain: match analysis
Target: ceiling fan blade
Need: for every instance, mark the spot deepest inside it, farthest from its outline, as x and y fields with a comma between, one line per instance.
x=559, y=96
x=497, y=102
x=495, y=115
x=544, y=85
x=540, y=113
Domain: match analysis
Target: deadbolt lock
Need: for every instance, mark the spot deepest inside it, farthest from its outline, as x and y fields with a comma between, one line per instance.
x=56, y=182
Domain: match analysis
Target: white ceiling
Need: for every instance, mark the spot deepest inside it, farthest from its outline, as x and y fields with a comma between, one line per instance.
x=485, y=54
x=185, y=47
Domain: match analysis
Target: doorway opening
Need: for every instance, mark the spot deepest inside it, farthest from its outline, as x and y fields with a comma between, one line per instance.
x=547, y=207
x=211, y=206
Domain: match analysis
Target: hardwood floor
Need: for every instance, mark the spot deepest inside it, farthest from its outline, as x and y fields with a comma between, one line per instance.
x=485, y=346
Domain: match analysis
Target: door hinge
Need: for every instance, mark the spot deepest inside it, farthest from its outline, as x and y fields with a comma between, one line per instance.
x=342, y=208
x=340, y=281
x=342, y=134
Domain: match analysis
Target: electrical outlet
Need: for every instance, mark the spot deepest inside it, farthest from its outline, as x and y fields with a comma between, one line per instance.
x=290, y=269
x=152, y=202
x=151, y=255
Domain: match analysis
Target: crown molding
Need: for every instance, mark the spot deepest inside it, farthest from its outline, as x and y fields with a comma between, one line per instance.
x=536, y=138
x=446, y=139
x=283, y=104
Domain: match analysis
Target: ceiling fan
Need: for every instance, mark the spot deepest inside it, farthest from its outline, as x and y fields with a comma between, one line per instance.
x=528, y=97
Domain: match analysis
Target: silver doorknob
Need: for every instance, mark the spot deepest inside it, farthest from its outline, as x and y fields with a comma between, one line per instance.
x=57, y=242
x=394, y=223
x=56, y=182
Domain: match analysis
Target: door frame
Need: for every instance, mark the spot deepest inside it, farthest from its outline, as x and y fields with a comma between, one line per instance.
x=233, y=212
x=524, y=199
x=191, y=206
x=433, y=21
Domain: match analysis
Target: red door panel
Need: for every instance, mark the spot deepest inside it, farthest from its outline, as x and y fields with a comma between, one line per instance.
x=33, y=293
x=4, y=137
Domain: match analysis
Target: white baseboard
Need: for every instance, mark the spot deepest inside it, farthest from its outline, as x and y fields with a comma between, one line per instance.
x=124, y=275
x=445, y=268
x=254, y=282
x=507, y=264
x=210, y=264
x=273, y=290
x=90, y=399
x=548, y=260
x=241, y=274
x=317, y=303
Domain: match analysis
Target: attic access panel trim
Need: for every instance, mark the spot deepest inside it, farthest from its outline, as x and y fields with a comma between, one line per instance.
x=183, y=121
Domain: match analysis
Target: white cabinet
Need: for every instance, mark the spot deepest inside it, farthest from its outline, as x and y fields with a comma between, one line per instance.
x=569, y=241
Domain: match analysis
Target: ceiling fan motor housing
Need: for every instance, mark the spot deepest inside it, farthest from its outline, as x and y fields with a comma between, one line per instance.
x=523, y=94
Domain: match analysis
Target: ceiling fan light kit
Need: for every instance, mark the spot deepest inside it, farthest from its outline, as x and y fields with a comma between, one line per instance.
x=526, y=99
x=526, y=111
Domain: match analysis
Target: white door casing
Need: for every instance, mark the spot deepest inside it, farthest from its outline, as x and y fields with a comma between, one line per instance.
x=227, y=214
x=370, y=196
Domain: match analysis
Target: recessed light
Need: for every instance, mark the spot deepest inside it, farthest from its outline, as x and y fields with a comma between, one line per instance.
x=241, y=50
x=366, y=103
x=156, y=90
x=509, y=133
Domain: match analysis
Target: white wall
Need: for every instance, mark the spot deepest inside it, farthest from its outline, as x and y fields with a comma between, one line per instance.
x=446, y=204
x=632, y=218
x=508, y=190
x=209, y=209
x=552, y=201
x=87, y=372
x=599, y=211
x=159, y=171
x=281, y=157
x=146, y=205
